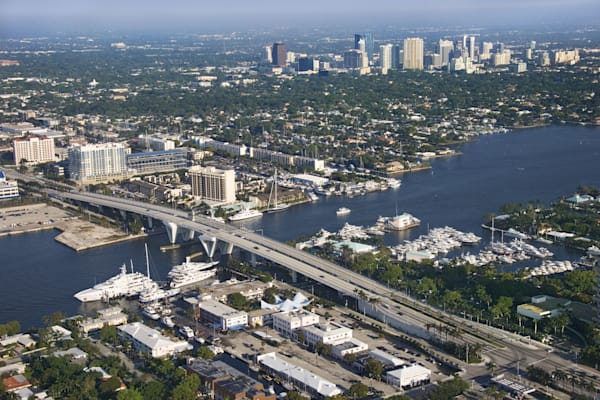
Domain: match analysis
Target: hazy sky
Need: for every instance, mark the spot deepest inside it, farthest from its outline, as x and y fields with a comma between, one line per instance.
x=68, y=15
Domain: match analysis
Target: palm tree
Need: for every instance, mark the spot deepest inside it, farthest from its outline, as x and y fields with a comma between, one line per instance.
x=491, y=366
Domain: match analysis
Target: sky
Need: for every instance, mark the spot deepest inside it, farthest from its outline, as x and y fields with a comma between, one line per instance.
x=153, y=15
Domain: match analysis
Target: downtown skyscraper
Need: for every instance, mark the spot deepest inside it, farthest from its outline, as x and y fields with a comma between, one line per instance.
x=413, y=54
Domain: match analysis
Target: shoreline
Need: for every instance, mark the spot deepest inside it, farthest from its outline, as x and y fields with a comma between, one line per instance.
x=74, y=232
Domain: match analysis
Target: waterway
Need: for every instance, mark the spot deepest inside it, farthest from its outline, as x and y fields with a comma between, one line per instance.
x=39, y=276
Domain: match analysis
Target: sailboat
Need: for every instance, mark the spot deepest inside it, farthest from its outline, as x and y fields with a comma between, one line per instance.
x=276, y=207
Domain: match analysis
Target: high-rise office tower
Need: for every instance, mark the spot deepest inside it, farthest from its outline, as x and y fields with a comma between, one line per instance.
x=354, y=58
x=269, y=54
x=468, y=46
x=471, y=47
x=279, y=54
x=385, y=56
x=397, y=56
x=413, y=54
x=360, y=44
x=95, y=163
x=446, y=47
x=365, y=43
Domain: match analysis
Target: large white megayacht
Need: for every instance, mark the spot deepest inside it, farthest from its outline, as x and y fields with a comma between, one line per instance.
x=190, y=272
x=123, y=284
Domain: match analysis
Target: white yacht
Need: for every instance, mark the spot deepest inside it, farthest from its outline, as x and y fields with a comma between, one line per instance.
x=152, y=311
x=123, y=284
x=393, y=183
x=190, y=272
x=312, y=196
x=245, y=214
x=402, y=222
x=155, y=293
x=343, y=211
x=167, y=321
x=593, y=251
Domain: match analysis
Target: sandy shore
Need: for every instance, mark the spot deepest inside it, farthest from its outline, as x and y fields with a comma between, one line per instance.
x=76, y=233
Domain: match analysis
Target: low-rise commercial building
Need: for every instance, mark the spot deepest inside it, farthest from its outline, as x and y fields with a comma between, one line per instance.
x=222, y=316
x=286, y=323
x=8, y=189
x=222, y=381
x=544, y=306
x=315, y=385
x=386, y=358
x=327, y=333
x=151, y=341
x=349, y=346
x=409, y=376
x=251, y=290
x=112, y=316
x=157, y=161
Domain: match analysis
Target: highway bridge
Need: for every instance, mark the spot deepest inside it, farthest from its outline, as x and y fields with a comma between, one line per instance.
x=389, y=306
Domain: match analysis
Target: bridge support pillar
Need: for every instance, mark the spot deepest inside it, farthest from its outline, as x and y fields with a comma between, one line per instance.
x=150, y=222
x=188, y=234
x=209, y=244
x=171, y=231
x=253, y=259
x=123, y=214
x=228, y=248
x=294, y=276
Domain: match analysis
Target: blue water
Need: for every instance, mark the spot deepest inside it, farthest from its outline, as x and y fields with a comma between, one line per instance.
x=39, y=276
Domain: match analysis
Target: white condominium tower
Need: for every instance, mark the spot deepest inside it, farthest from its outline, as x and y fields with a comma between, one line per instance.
x=33, y=150
x=413, y=53
x=213, y=184
x=97, y=163
x=385, y=56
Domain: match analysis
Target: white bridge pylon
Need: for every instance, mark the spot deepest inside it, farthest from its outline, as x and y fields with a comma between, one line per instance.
x=173, y=230
x=209, y=243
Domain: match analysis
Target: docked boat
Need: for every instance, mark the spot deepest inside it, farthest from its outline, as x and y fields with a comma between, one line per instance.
x=152, y=311
x=343, y=211
x=593, y=251
x=276, y=207
x=393, y=183
x=245, y=214
x=402, y=222
x=124, y=284
x=312, y=196
x=155, y=293
x=167, y=321
x=189, y=272
x=511, y=232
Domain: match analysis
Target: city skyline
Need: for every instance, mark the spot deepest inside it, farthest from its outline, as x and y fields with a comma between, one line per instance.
x=69, y=15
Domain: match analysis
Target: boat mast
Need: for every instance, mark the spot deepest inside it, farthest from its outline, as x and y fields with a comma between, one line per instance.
x=275, y=185
x=147, y=262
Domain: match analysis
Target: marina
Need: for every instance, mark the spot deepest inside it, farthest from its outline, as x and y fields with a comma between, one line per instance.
x=462, y=190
